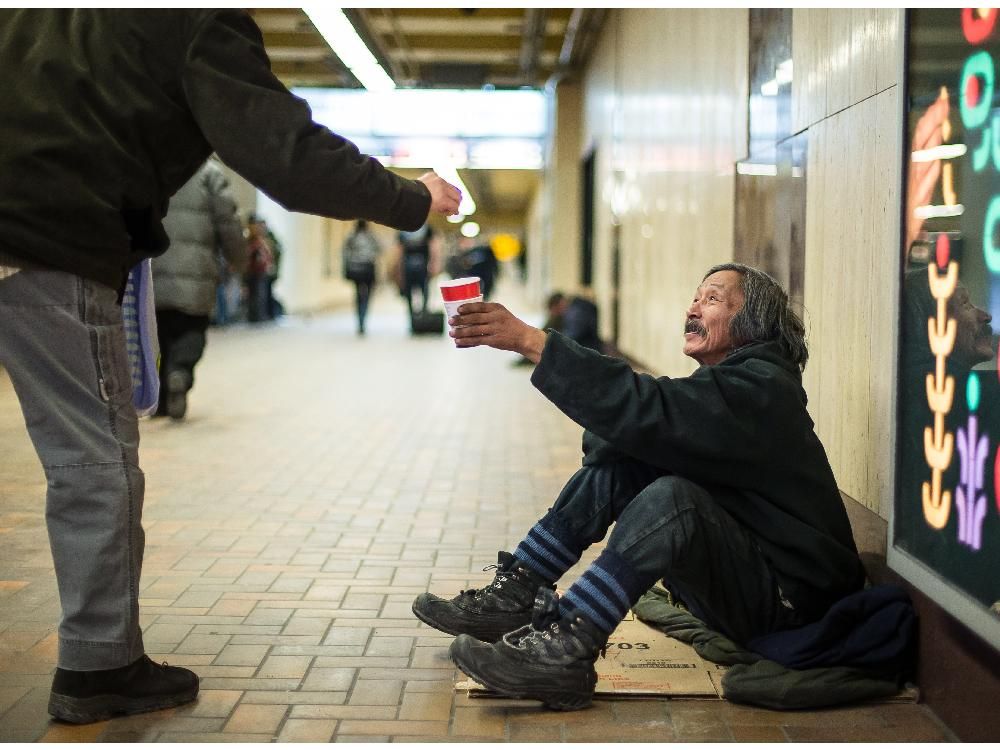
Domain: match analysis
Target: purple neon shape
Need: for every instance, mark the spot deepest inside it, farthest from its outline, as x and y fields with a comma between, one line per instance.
x=970, y=504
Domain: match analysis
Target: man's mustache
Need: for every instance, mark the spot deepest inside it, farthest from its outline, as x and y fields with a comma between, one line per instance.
x=694, y=326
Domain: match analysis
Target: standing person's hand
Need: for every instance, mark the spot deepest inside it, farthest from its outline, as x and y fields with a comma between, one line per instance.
x=445, y=197
x=491, y=324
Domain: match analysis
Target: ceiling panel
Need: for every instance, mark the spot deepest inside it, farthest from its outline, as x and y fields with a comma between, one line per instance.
x=445, y=48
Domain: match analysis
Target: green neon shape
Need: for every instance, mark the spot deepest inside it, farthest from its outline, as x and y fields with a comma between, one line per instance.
x=978, y=64
x=982, y=154
x=972, y=392
x=990, y=252
x=995, y=133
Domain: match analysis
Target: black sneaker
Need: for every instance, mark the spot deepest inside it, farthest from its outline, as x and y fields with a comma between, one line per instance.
x=489, y=612
x=144, y=685
x=550, y=660
x=178, y=384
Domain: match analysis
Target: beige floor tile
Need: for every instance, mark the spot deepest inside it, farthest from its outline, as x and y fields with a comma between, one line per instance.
x=241, y=656
x=329, y=679
x=214, y=703
x=376, y=693
x=474, y=722
x=307, y=730
x=255, y=719
x=427, y=706
x=285, y=666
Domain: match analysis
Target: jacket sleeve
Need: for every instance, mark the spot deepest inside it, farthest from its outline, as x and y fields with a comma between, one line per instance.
x=228, y=230
x=685, y=425
x=267, y=134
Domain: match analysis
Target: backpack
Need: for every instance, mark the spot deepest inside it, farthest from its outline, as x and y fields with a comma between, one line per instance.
x=360, y=252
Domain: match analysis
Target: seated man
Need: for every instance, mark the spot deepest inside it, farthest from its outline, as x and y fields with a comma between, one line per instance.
x=715, y=483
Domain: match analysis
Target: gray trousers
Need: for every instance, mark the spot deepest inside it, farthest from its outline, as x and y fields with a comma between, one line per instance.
x=63, y=345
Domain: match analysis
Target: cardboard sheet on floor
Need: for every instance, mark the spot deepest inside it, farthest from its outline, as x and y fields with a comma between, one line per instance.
x=641, y=662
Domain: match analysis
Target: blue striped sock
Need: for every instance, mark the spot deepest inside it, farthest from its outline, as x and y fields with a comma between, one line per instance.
x=547, y=550
x=604, y=593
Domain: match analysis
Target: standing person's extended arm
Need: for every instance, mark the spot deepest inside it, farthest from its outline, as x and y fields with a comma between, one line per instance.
x=268, y=135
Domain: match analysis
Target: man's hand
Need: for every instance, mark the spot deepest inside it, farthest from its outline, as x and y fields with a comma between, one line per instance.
x=493, y=325
x=445, y=197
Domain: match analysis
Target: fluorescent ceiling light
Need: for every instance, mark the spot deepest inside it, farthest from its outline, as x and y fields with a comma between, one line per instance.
x=759, y=170
x=345, y=42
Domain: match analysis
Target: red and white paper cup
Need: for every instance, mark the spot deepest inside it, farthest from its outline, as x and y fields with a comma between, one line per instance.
x=458, y=292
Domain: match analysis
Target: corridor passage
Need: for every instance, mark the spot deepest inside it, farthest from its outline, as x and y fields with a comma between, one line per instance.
x=319, y=483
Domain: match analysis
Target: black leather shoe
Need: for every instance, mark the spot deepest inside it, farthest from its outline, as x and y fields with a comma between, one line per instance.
x=487, y=613
x=144, y=685
x=550, y=660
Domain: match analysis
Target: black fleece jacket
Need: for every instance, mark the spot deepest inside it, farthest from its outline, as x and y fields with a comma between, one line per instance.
x=104, y=114
x=741, y=430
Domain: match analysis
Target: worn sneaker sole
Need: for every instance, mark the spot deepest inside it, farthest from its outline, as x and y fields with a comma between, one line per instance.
x=100, y=707
x=483, y=631
x=559, y=700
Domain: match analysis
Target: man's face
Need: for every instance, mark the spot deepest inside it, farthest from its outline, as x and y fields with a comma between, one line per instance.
x=706, y=330
x=973, y=335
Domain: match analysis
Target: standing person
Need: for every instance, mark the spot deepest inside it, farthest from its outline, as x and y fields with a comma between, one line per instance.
x=259, y=270
x=274, y=307
x=106, y=114
x=360, y=252
x=415, y=259
x=479, y=260
x=716, y=483
x=203, y=228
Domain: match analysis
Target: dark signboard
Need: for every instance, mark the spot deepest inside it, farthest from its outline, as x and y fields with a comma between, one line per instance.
x=946, y=515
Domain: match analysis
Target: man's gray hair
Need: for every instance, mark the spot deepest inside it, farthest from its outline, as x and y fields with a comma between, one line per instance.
x=766, y=314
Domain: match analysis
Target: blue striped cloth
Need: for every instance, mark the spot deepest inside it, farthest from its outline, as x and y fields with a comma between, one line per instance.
x=141, y=342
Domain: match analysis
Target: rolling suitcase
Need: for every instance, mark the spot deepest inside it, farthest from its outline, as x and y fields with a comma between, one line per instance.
x=430, y=322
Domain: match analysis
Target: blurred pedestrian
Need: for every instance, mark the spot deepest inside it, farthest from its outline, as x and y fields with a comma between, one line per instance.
x=360, y=253
x=259, y=269
x=203, y=229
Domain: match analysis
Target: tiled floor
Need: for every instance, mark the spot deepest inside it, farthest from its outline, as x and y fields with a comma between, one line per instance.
x=321, y=482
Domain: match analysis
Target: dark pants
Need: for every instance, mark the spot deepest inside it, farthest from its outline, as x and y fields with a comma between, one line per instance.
x=257, y=297
x=669, y=528
x=182, y=342
x=415, y=277
x=363, y=285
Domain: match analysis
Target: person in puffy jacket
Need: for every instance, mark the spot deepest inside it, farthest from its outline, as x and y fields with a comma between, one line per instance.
x=202, y=225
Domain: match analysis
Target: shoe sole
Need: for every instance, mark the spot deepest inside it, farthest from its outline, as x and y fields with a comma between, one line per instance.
x=488, y=636
x=100, y=707
x=556, y=700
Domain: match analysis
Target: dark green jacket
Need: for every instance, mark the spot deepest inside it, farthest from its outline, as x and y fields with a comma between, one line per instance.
x=739, y=429
x=106, y=113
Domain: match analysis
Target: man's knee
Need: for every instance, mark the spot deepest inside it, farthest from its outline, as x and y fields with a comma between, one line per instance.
x=672, y=495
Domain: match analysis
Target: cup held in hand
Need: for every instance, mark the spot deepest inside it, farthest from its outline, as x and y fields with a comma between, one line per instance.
x=458, y=292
